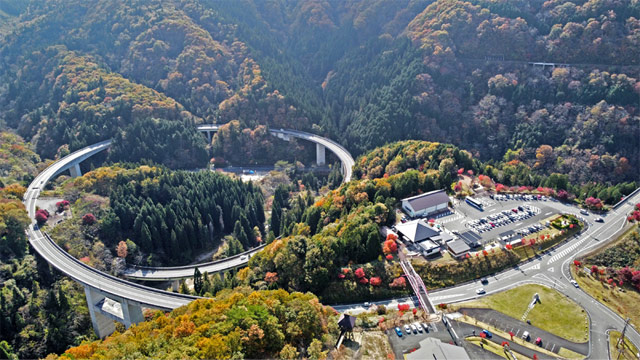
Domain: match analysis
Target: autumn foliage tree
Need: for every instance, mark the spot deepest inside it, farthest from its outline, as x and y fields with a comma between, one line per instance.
x=88, y=219
x=390, y=247
x=122, y=249
x=42, y=216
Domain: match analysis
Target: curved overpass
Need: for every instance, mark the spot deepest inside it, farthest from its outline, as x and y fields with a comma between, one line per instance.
x=121, y=289
x=98, y=281
x=150, y=273
x=342, y=153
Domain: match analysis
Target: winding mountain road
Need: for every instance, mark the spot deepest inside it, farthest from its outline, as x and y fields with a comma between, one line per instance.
x=120, y=288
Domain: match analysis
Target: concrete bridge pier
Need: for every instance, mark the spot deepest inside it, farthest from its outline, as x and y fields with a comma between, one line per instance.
x=75, y=170
x=175, y=285
x=320, y=154
x=209, y=136
x=131, y=313
x=102, y=325
x=105, y=311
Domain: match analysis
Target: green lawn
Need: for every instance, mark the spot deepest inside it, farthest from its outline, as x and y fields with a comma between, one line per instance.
x=627, y=348
x=555, y=314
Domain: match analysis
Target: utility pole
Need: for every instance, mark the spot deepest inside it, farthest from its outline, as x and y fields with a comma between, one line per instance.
x=620, y=341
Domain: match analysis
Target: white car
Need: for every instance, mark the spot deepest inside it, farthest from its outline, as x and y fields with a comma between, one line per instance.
x=419, y=327
x=244, y=258
x=407, y=329
x=575, y=283
x=480, y=291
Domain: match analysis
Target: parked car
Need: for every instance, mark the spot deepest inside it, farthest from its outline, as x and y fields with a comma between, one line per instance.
x=539, y=341
x=575, y=283
x=584, y=212
x=489, y=334
x=425, y=326
x=480, y=291
x=414, y=328
x=600, y=220
x=398, y=332
x=407, y=329
x=526, y=336
x=419, y=327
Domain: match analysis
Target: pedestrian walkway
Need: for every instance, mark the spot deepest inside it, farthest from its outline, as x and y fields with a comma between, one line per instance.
x=566, y=251
x=486, y=202
x=449, y=218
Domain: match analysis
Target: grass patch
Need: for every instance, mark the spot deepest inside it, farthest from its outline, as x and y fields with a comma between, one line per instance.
x=570, y=354
x=444, y=259
x=555, y=313
x=493, y=347
x=624, y=303
x=626, y=351
x=375, y=345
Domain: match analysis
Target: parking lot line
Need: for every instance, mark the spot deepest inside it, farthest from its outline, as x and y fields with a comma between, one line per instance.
x=554, y=346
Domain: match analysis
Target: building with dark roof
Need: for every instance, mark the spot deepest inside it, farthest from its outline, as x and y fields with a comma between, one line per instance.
x=416, y=231
x=458, y=248
x=427, y=204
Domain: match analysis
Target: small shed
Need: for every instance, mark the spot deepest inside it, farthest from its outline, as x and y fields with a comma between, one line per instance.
x=347, y=322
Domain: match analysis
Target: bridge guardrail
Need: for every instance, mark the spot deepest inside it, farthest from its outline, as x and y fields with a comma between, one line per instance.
x=101, y=273
x=621, y=202
x=193, y=266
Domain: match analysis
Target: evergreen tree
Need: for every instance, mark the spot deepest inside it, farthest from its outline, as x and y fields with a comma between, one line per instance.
x=197, y=282
x=276, y=222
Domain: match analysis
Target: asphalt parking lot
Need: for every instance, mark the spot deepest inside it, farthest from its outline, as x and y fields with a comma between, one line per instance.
x=507, y=223
x=408, y=342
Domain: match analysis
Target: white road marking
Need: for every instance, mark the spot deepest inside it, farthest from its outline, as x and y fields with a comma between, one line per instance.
x=534, y=267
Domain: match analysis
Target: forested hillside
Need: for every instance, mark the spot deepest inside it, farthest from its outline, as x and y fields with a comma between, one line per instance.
x=423, y=92
x=364, y=73
x=239, y=324
x=40, y=311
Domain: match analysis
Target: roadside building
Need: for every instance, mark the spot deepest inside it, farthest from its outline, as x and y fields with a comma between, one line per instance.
x=427, y=204
x=458, y=248
x=433, y=348
x=416, y=231
x=442, y=238
x=429, y=247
